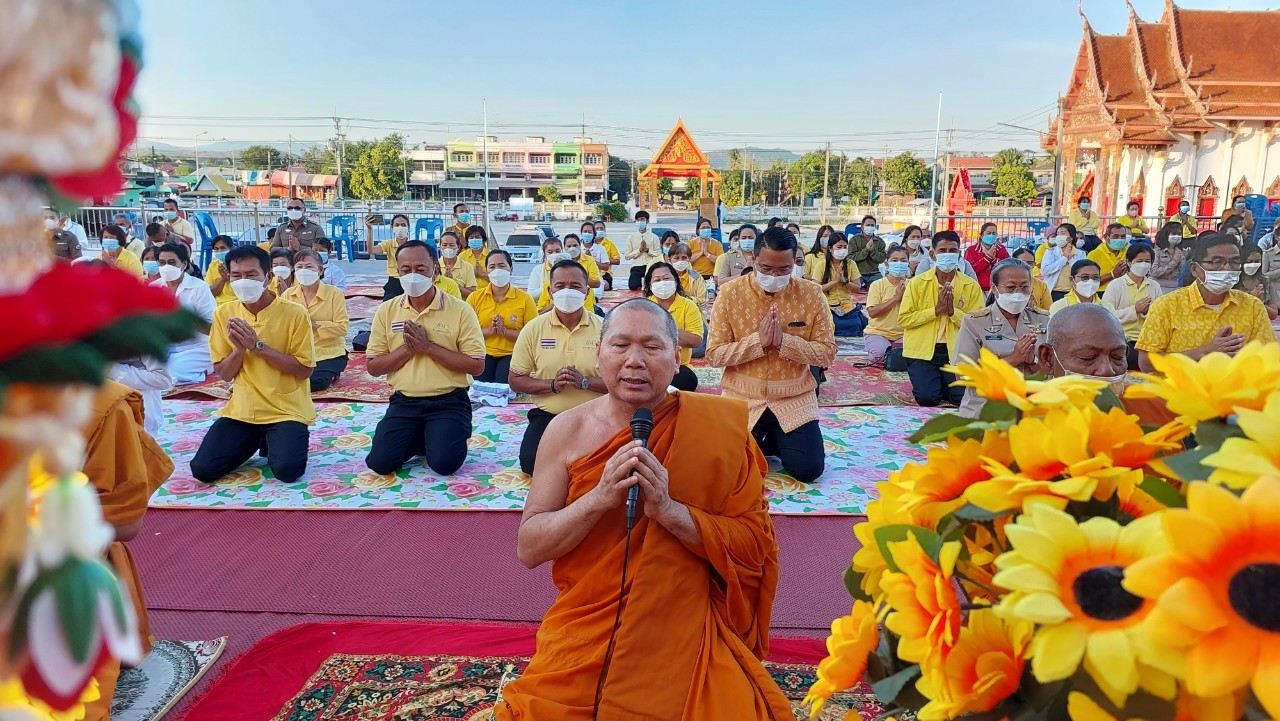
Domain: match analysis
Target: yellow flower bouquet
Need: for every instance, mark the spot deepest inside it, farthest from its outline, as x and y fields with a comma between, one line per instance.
x=1057, y=558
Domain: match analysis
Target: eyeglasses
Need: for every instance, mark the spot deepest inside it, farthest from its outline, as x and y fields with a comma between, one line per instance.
x=1221, y=264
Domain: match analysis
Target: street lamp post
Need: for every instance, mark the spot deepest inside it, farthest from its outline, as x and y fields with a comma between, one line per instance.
x=197, y=142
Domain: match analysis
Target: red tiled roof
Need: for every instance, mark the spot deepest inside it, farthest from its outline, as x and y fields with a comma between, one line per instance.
x=1117, y=70
x=973, y=163
x=1226, y=45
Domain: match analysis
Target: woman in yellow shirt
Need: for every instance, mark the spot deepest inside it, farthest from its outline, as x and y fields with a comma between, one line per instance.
x=705, y=249
x=476, y=254
x=839, y=279
x=883, y=300
x=692, y=282
x=1086, y=278
x=399, y=234
x=813, y=257
x=217, y=276
x=327, y=307
x=113, y=253
x=1041, y=296
x=503, y=310
x=281, y=271
x=1130, y=296
x=462, y=272
x=1133, y=222
x=662, y=286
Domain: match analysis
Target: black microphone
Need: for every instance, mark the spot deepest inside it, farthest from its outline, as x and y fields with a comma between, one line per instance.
x=641, y=427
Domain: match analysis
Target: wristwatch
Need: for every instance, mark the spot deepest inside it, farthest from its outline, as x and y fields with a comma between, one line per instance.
x=585, y=383
x=259, y=346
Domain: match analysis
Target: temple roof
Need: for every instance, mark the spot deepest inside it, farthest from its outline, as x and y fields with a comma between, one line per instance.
x=1186, y=73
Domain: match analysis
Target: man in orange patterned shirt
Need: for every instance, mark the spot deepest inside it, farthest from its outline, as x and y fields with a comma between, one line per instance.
x=767, y=329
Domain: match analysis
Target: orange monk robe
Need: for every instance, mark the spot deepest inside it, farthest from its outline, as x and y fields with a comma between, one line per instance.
x=696, y=624
x=126, y=465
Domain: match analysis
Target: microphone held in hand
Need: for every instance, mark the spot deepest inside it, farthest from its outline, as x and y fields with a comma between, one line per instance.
x=641, y=427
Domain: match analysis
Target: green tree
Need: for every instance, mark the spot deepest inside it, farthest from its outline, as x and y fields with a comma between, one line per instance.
x=1011, y=175
x=549, y=194
x=183, y=168
x=693, y=190
x=665, y=186
x=855, y=180
x=264, y=157
x=317, y=159
x=906, y=175
x=1010, y=156
x=619, y=177
x=378, y=172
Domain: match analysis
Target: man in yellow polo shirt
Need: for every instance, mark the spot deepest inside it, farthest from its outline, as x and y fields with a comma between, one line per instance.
x=934, y=304
x=263, y=346
x=1208, y=316
x=1110, y=255
x=426, y=343
x=555, y=357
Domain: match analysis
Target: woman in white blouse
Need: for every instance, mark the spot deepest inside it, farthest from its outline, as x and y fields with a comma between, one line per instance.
x=189, y=361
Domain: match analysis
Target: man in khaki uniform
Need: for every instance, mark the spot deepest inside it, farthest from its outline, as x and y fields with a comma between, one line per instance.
x=299, y=231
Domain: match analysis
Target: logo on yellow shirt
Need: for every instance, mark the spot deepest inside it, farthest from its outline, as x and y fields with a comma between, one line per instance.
x=547, y=344
x=397, y=327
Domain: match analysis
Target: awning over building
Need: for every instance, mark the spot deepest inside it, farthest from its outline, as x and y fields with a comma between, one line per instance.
x=304, y=180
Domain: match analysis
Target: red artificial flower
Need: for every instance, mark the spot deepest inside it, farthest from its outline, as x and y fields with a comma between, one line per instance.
x=107, y=180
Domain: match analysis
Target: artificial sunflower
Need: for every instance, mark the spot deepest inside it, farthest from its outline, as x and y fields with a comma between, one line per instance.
x=1241, y=461
x=1215, y=386
x=1120, y=437
x=981, y=670
x=925, y=610
x=1066, y=577
x=1189, y=708
x=853, y=639
x=937, y=487
x=994, y=379
x=1215, y=590
x=887, y=510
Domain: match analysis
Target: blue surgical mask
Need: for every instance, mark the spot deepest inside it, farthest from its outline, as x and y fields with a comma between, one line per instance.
x=1239, y=206
x=151, y=267
x=666, y=250
x=1118, y=243
x=588, y=237
x=900, y=268
x=475, y=243
x=111, y=246
x=1085, y=206
x=170, y=215
x=1184, y=209
x=747, y=245
x=324, y=256
x=464, y=217
x=947, y=262
x=221, y=256
x=870, y=229
x=704, y=233
x=990, y=239
x=641, y=226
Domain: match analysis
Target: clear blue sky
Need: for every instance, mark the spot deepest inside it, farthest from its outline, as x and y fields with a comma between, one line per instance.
x=863, y=74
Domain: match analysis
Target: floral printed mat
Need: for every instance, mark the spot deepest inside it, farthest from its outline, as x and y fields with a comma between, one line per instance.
x=358, y=687
x=355, y=384
x=863, y=445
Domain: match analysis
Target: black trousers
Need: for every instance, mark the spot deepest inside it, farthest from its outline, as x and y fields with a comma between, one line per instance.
x=327, y=371
x=1133, y=356
x=391, y=289
x=930, y=385
x=801, y=451
x=229, y=443
x=1057, y=294
x=685, y=380
x=636, y=279
x=496, y=369
x=437, y=427
x=608, y=280
x=538, y=422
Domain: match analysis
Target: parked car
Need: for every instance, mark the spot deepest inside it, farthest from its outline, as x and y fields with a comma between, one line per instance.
x=525, y=243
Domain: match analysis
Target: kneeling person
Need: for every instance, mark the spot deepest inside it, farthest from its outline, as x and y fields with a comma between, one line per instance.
x=263, y=347
x=555, y=357
x=425, y=343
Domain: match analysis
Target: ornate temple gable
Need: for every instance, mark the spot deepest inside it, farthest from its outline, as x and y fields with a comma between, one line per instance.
x=1273, y=190
x=1209, y=189
x=1139, y=187
x=1242, y=188
x=679, y=155
x=1175, y=188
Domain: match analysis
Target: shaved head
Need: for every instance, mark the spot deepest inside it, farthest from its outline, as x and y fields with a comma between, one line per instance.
x=1087, y=339
x=1084, y=320
x=644, y=305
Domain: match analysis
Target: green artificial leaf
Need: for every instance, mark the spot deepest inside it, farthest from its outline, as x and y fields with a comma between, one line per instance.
x=76, y=595
x=930, y=541
x=72, y=363
x=1188, y=465
x=936, y=429
x=1165, y=494
x=1212, y=434
x=1106, y=400
x=997, y=411
x=888, y=689
x=853, y=584
x=970, y=512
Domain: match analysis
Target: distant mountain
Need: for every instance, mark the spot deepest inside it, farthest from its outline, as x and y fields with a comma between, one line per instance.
x=764, y=157
x=221, y=147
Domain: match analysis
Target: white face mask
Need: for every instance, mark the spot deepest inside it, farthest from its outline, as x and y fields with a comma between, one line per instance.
x=1013, y=302
x=1175, y=239
x=556, y=258
x=840, y=253
x=307, y=276
x=400, y=231
x=1080, y=243
x=798, y=270
x=772, y=283
x=574, y=252
x=1061, y=240
x=416, y=284
x=568, y=300
x=294, y=214
x=680, y=265
x=1140, y=269
x=1116, y=383
x=50, y=224
x=1221, y=281
x=1251, y=268
x=170, y=273
x=500, y=277
x=449, y=253
x=248, y=290
x=733, y=245
x=913, y=243
x=283, y=272
x=1087, y=288
x=663, y=288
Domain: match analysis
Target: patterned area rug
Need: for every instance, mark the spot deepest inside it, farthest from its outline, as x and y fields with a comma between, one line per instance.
x=863, y=445
x=355, y=384
x=146, y=692
x=362, y=306
x=361, y=688
x=369, y=291
x=847, y=384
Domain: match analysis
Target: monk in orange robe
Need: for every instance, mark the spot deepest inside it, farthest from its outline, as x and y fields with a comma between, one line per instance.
x=126, y=465
x=703, y=565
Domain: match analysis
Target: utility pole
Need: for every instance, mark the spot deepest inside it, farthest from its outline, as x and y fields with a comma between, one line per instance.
x=337, y=129
x=933, y=182
x=1057, y=164
x=826, y=179
x=290, y=166
x=484, y=147
x=582, y=166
